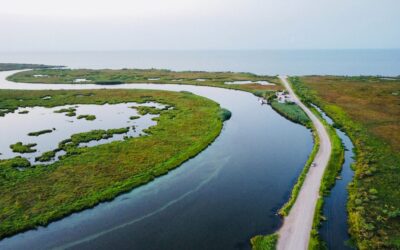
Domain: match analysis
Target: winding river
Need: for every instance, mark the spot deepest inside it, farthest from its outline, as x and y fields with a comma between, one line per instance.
x=217, y=200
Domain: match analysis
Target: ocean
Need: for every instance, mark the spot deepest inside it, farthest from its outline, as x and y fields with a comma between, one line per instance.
x=267, y=62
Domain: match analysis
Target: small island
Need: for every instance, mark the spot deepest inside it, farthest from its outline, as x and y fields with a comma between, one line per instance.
x=41, y=132
x=20, y=66
x=68, y=111
x=134, y=117
x=87, y=117
x=21, y=148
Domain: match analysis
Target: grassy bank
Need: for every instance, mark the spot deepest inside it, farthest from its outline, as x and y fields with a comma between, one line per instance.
x=108, y=76
x=41, y=194
x=328, y=181
x=295, y=114
x=368, y=110
x=264, y=242
x=19, y=66
x=284, y=211
x=214, y=79
x=331, y=172
x=292, y=112
x=21, y=148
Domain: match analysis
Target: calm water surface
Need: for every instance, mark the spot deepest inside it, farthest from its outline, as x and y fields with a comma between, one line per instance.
x=14, y=127
x=334, y=231
x=217, y=200
x=230, y=191
x=271, y=62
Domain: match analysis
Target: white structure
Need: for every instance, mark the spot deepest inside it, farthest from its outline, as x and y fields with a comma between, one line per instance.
x=283, y=97
x=250, y=82
x=79, y=80
x=36, y=76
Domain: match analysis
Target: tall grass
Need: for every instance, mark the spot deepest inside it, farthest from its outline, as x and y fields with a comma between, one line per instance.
x=328, y=181
x=44, y=193
x=292, y=112
x=365, y=108
x=264, y=242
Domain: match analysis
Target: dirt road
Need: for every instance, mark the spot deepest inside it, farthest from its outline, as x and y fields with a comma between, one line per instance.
x=295, y=231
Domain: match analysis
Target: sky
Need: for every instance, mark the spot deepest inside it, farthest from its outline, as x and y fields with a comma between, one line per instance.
x=74, y=25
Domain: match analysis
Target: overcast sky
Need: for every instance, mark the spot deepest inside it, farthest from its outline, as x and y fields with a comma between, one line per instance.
x=198, y=24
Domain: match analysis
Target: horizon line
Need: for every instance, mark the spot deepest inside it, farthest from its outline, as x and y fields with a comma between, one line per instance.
x=183, y=50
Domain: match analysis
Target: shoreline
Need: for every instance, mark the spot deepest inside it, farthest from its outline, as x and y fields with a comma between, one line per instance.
x=89, y=85
x=295, y=231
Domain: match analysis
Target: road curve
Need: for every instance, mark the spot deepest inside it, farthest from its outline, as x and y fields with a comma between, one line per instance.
x=295, y=231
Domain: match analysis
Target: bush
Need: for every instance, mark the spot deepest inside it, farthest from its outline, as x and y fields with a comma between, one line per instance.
x=225, y=114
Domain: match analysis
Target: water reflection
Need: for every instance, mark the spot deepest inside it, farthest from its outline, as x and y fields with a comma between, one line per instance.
x=217, y=200
x=15, y=126
x=334, y=231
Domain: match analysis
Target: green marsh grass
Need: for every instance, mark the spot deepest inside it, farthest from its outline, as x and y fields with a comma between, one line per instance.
x=367, y=109
x=89, y=175
x=21, y=148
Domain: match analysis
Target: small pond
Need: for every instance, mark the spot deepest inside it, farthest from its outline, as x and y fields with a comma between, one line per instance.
x=16, y=126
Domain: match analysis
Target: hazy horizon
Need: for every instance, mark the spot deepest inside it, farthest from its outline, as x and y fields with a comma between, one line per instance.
x=123, y=25
x=190, y=50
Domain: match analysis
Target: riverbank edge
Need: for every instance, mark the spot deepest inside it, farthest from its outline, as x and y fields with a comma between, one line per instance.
x=252, y=88
x=135, y=181
x=258, y=242
x=367, y=148
x=264, y=242
x=285, y=209
x=268, y=95
x=332, y=170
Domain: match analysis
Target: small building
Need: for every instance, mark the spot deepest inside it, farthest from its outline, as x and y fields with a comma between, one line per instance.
x=79, y=80
x=283, y=97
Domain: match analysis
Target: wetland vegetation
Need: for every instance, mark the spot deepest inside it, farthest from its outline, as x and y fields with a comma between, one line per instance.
x=109, y=76
x=285, y=209
x=134, y=117
x=87, y=117
x=68, y=111
x=289, y=110
x=332, y=171
x=368, y=110
x=19, y=66
x=292, y=112
x=85, y=176
x=41, y=132
x=21, y=148
x=264, y=242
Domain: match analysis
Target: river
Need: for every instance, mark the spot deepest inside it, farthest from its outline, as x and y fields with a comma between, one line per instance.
x=334, y=231
x=217, y=200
